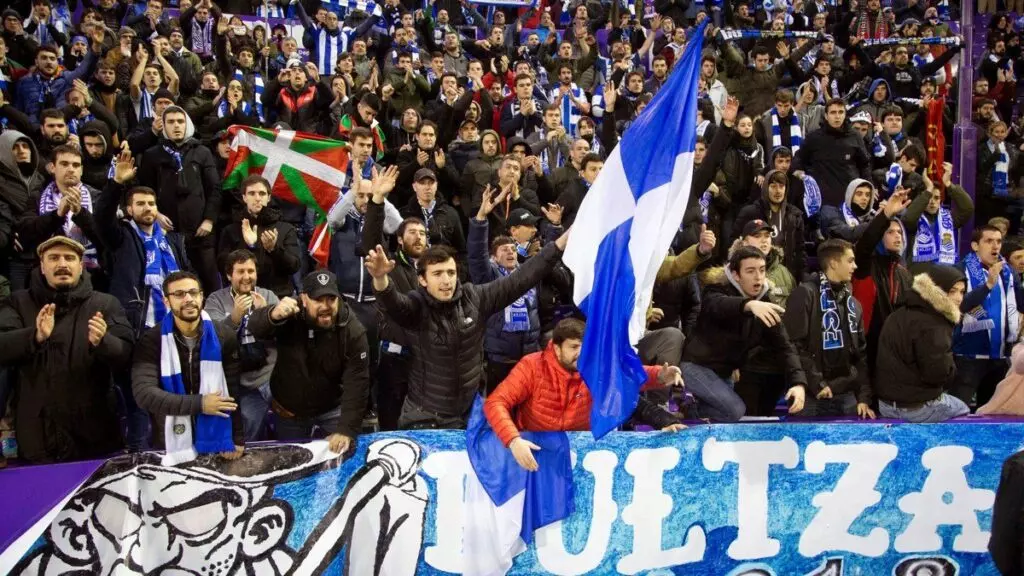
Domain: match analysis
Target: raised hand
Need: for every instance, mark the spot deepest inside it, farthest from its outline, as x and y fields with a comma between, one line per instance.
x=384, y=183
x=44, y=322
x=729, y=112
x=896, y=203
x=242, y=305
x=378, y=264
x=707, y=241
x=124, y=170
x=609, y=96
x=553, y=212
x=422, y=157
x=439, y=158
x=489, y=200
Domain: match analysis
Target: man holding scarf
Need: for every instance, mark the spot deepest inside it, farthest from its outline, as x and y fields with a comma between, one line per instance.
x=825, y=324
x=931, y=227
x=991, y=321
x=183, y=370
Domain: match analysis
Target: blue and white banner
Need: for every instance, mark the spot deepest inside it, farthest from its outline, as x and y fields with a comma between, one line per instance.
x=516, y=3
x=793, y=499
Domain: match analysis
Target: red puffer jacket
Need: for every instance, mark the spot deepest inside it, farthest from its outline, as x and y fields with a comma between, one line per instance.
x=545, y=397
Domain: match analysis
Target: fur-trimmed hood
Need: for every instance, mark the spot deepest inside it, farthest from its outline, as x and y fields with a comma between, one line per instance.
x=936, y=297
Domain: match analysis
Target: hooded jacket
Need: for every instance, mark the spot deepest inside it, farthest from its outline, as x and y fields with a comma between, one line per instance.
x=843, y=369
x=833, y=222
x=65, y=407
x=789, y=236
x=834, y=157
x=915, y=348
x=478, y=174
x=446, y=339
x=188, y=195
x=95, y=170
x=743, y=161
x=16, y=189
x=274, y=267
x=873, y=107
x=881, y=282
x=319, y=369
x=726, y=333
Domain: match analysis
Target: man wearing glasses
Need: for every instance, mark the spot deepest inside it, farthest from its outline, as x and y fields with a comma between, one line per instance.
x=192, y=362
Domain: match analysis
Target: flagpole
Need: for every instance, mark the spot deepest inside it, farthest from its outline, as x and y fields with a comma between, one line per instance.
x=965, y=140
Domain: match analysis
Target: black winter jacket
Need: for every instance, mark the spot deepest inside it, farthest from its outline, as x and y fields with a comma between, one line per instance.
x=65, y=403
x=275, y=267
x=319, y=369
x=726, y=333
x=790, y=238
x=833, y=157
x=915, y=349
x=188, y=196
x=844, y=369
x=446, y=339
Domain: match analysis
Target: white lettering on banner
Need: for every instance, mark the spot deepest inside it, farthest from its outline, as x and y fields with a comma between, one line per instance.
x=646, y=514
x=853, y=493
x=946, y=499
x=753, y=461
x=449, y=469
x=551, y=552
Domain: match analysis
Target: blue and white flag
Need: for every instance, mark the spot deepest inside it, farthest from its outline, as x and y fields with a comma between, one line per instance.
x=622, y=233
x=505, y=504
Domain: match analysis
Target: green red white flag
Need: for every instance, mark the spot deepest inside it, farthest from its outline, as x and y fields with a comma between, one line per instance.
x=302, y=168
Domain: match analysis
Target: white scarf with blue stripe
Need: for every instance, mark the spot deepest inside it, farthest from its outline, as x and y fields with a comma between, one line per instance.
x=160, y=262
x=795, y=132
x=571, y=114
x=1000, y=172
x=893, y=177
x=935, y=241
x=257, y=88
x=211, y=434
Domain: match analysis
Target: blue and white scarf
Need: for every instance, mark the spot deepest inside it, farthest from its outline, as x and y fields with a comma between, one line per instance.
x=935, y=241
x=517, y=314
x=257, y=92
x=893, y=177
x=76, y=123
x=202, y=37
x=5, y=81
x=212, y=434
x=145, y=104
x=45, y=90
x=989, y=330
x=224, y=110
x=160, y=262
x=831, y=322
x=175, y=155
x=49, y=200
x=812, y=196
x=1000, y=172
x=705, y=205
x=795, y=133
x=571, y=114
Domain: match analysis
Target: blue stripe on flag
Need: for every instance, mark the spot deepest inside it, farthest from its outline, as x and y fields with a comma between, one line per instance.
x=549, y=490
x=621, y=238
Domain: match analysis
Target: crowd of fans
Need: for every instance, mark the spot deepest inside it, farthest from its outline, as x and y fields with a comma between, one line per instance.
x=818, y=264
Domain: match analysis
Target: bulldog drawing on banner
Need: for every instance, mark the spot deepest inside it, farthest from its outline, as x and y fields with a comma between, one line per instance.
x=213, y=517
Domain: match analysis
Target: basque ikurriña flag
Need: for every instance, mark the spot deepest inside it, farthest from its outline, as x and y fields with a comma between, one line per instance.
x=621, y=234
x=302, y=168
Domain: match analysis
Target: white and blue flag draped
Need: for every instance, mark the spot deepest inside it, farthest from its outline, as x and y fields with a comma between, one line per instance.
x=505, y=504
x=622, y=233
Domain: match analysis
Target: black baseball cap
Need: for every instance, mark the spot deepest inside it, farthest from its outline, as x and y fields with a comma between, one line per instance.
x=424, y=174
x=755, y=226
x=320, y=283
x=522, y=217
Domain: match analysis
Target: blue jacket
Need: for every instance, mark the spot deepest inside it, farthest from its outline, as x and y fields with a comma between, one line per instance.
x=346, y=261
x=500, y=346
x=30, y=98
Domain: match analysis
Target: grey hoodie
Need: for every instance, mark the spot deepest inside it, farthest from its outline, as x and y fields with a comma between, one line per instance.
x=16, y=188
